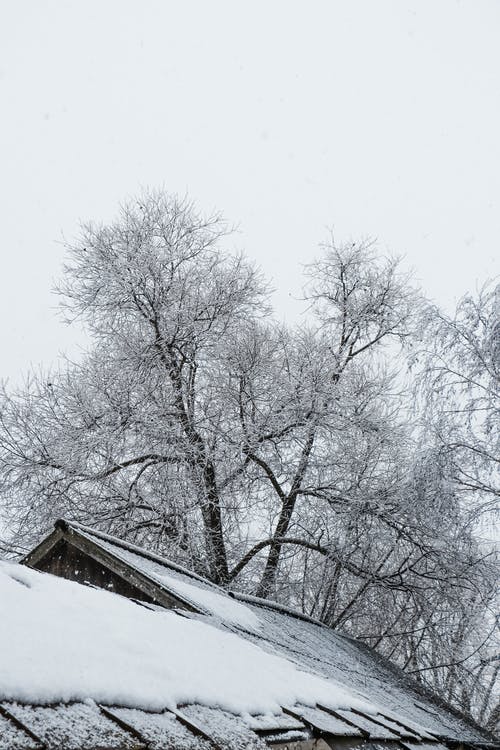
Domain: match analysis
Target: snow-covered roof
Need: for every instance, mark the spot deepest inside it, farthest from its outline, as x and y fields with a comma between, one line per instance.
x=203, y=595
x=220, y=665
x=64, y=642
x=81, y=664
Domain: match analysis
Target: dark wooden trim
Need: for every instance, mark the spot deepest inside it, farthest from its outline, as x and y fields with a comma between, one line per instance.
x=148, y=586
x=155, y=591
x=129, y=547
x=39, y=552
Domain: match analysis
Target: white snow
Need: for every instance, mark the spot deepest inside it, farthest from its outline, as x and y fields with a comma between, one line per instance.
x=62, y=641
x=221, y=606
x=205, y=596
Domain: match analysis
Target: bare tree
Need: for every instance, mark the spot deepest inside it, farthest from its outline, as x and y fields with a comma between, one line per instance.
x=158, y=296
x=360, y=303
x=287, y=462
x=459, y=380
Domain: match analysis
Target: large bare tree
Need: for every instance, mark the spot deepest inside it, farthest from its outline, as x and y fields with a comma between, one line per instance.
x=280, y=460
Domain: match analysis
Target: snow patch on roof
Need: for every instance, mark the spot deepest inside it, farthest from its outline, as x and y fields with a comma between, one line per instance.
x=205, y=596
x=221, y=606
x=61, y=641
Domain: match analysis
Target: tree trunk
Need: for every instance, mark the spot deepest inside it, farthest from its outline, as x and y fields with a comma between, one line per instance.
x=219, y=572
x=269, y=576
x=203, y=469
x=288, y=505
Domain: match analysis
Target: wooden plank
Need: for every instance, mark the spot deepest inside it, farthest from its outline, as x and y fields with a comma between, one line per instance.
x=152, y=590
x=39, y=552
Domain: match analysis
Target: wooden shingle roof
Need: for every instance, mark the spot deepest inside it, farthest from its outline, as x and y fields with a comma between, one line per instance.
x=404, y=716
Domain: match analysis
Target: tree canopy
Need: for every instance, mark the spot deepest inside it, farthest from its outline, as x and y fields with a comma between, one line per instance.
x=345, y=466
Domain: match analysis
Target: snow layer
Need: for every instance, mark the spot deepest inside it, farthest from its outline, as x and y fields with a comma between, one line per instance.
x=194, y=590
x=222, y=606
x=61, y=641
x=347, y=662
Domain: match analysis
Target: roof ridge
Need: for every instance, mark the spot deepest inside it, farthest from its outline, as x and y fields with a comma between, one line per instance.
x=233, y=594
x=271, y=604
x=63, y=524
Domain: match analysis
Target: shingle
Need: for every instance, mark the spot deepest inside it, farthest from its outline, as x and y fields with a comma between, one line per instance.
x=76, y=726
x=162, y=731
x=325, y=722
x=376, y=731
x=13, y=737
x=229, y=732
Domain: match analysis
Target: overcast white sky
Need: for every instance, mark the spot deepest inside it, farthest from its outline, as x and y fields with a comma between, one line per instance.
x=378, y=118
